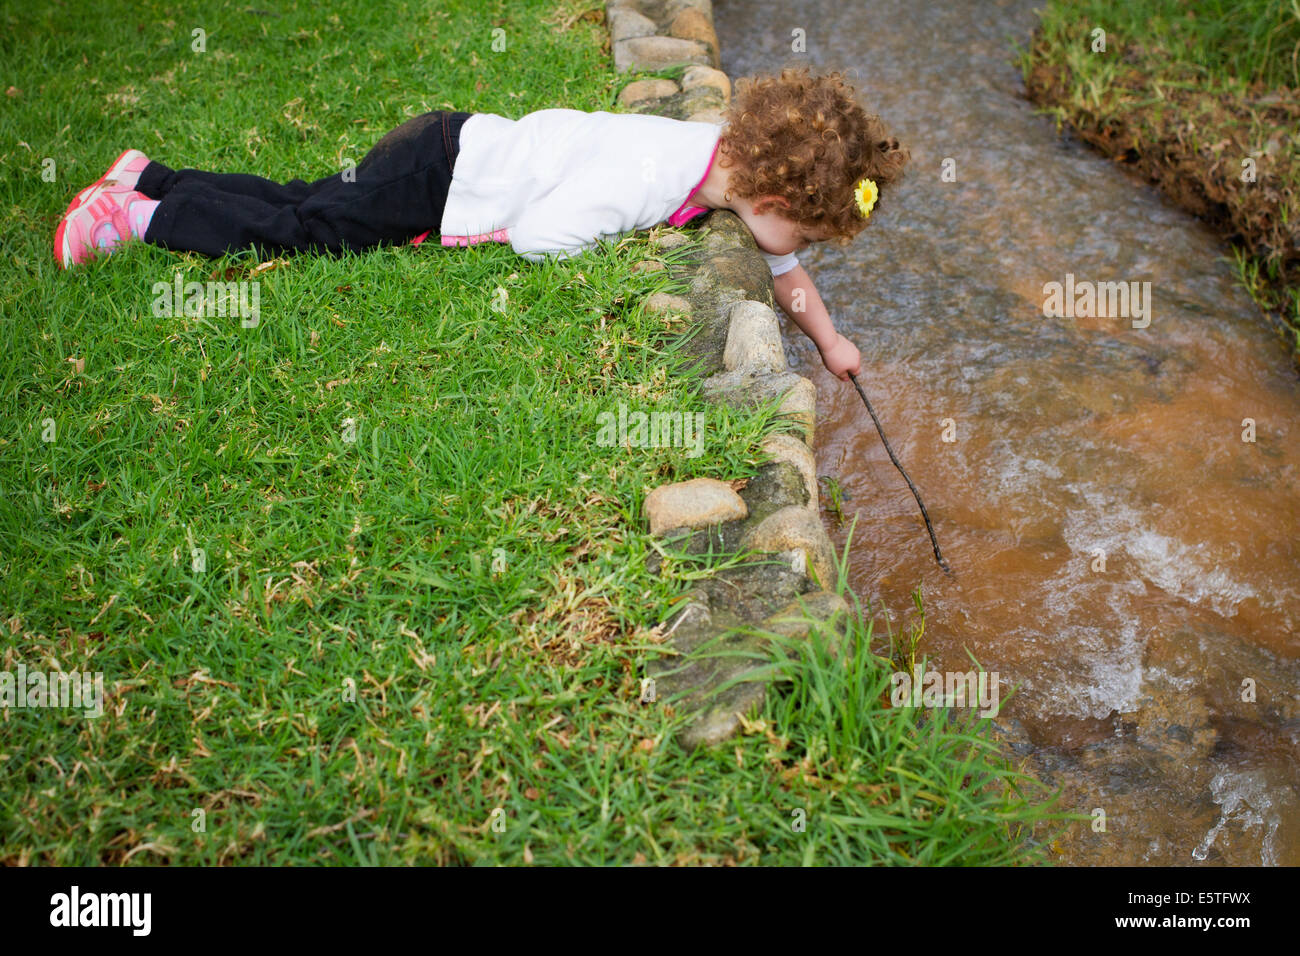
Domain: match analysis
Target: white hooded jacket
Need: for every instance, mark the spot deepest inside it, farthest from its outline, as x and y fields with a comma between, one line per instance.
x=557, y=180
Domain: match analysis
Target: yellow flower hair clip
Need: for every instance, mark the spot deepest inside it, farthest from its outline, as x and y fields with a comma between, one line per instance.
x=866, y=195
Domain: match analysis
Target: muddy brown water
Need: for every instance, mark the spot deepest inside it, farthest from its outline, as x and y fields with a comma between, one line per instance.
x=1074, y=437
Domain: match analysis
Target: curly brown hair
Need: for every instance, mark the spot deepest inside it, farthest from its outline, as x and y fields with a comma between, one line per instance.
x=806, y=139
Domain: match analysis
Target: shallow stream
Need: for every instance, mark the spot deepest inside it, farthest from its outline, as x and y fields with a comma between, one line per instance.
x=1122, y=555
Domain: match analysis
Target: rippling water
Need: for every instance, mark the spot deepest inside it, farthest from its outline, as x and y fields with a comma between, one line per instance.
x=1074, y=438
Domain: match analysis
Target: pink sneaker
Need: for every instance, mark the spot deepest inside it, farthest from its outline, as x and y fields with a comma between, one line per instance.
x=122, y=176
x=99, y=224
x=125, y=172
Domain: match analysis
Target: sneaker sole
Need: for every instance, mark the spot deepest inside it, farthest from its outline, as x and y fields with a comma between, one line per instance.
x=62, y=254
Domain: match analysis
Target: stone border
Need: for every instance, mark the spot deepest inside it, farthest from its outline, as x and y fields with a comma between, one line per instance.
x=725, y=630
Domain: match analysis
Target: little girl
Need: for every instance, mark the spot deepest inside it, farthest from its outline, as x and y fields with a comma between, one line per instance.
x=796, y=159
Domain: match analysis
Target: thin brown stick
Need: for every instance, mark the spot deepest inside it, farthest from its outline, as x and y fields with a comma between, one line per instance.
x=894, y=458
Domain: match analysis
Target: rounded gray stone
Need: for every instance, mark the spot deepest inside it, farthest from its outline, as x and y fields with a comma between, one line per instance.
x=706, y=76
x=794, y=528
x=791, y=450
x=657, y=53
x=625, y=24
x=641, y=90
x=697, y=503
x=753, y=338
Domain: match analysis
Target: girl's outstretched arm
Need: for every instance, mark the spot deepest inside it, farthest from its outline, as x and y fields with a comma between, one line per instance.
x=797, y=295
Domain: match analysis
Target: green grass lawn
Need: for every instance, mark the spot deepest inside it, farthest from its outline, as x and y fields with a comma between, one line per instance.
x=1203, y=97
x=362, y=584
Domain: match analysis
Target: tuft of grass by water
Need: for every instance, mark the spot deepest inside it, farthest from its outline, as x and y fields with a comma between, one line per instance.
x=862, y=781
x=834, y=496
x=893, y=785
x=1205, y=99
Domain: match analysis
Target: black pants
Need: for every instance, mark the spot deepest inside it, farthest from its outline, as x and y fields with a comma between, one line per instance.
x=397, y=192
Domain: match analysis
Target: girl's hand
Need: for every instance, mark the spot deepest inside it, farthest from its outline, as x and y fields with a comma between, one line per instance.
x=842, y=358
